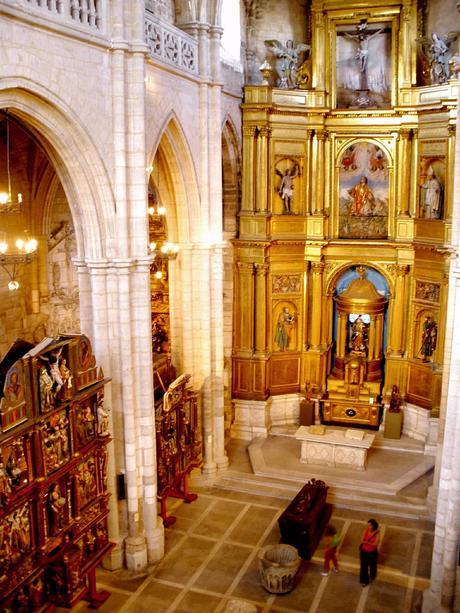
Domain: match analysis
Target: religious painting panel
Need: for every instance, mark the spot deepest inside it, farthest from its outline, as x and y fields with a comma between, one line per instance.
x=286, y=284
x=432, y=180
x=87, y=482
x=427, y=291
x=15, y=472
x=85, y=421
x=363, y=65
x=363, y=191
x=13, y=405
x=55, y=441
x=285, y=325
x=16, y=540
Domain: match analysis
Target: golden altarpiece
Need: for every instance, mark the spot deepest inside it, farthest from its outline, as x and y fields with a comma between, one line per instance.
x=343, y=250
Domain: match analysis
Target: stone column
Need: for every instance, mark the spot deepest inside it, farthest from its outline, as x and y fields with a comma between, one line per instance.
x=260, y=322
x=217, y=354
x=247, y=188
x=316, y=294
x=262, y=168
x=441, y=594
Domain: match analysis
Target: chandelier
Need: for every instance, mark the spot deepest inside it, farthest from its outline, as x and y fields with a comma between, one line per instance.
x=161, y=249
x=7, y=203
x=11, y=260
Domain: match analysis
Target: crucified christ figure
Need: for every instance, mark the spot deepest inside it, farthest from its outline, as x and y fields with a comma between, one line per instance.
x=362, y=38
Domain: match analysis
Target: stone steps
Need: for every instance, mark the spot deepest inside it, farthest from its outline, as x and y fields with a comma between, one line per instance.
x=348, y=497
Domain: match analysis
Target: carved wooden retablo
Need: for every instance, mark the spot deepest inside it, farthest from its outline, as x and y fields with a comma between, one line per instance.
x=53, y=474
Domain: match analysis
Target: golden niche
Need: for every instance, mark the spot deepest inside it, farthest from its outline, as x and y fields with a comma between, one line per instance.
x=353, y=388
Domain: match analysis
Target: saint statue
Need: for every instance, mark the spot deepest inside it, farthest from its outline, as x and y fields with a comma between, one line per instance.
x=438, y=53
x=358, y=337
x=283, y=328
x=395, y=400
x=433, y=195
x=429, y=338
x=286, y=188
x=363, y=198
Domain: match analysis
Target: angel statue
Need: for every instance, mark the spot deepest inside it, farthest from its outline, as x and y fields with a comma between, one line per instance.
x=289, y=61
x=437, y=51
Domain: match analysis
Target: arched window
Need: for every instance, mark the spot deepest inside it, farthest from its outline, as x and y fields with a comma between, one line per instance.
x=231, y=38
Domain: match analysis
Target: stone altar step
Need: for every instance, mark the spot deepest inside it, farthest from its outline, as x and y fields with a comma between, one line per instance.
x=349, y=497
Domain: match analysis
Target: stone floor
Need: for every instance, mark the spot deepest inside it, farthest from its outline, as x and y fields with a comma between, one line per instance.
x=211, y=557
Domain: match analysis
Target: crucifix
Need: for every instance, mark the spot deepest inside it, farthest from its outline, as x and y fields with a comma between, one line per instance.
x=362, y=38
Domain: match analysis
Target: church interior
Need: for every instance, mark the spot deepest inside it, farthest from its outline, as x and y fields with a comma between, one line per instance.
x=229, y=304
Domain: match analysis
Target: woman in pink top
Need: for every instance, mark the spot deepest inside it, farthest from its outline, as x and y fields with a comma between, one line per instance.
x=369, y=552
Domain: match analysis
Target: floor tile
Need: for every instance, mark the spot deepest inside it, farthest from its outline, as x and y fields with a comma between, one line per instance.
x=222, y=569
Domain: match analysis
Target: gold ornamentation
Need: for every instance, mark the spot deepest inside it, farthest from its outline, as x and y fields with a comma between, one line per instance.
x=286, y=284
x=425, y=290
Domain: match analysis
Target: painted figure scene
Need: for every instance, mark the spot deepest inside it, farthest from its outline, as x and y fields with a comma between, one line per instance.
x=363, y=192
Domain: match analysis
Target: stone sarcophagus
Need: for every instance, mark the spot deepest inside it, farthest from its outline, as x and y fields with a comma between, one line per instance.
x=53, y=474
x=303, y=522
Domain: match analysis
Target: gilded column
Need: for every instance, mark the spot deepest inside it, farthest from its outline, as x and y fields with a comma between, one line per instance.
x=318, y=45
x=414, y=188
x=320, y=137
x=406, y=37
x=449, y=172
x=309, y=174
x=244, y=324
x=317, y=269
x=261, y=309
x=404, y=157
x=262, y=168
x=378, y=337
x=341, y=335
x=397, y=342
x=372, y=342
x=247, y=195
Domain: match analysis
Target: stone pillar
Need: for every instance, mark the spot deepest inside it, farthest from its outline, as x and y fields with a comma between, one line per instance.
x=441, y=594
x=260, y=322
x=316, y=311
x=247, y=188
x=217, y=355
x=262, y=169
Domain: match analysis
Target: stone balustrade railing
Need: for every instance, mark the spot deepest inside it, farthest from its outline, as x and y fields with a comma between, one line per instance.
x=86, y=14
x=168, y=44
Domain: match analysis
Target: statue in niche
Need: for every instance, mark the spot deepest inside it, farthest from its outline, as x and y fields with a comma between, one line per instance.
x=429, y=338
x=358, y=336
x=289, y=61
x=437, y=51
x=432, y=200
x=56, y=504
x=286, y=321
x=363, y=198
x=5, y=485
x=286, y=188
